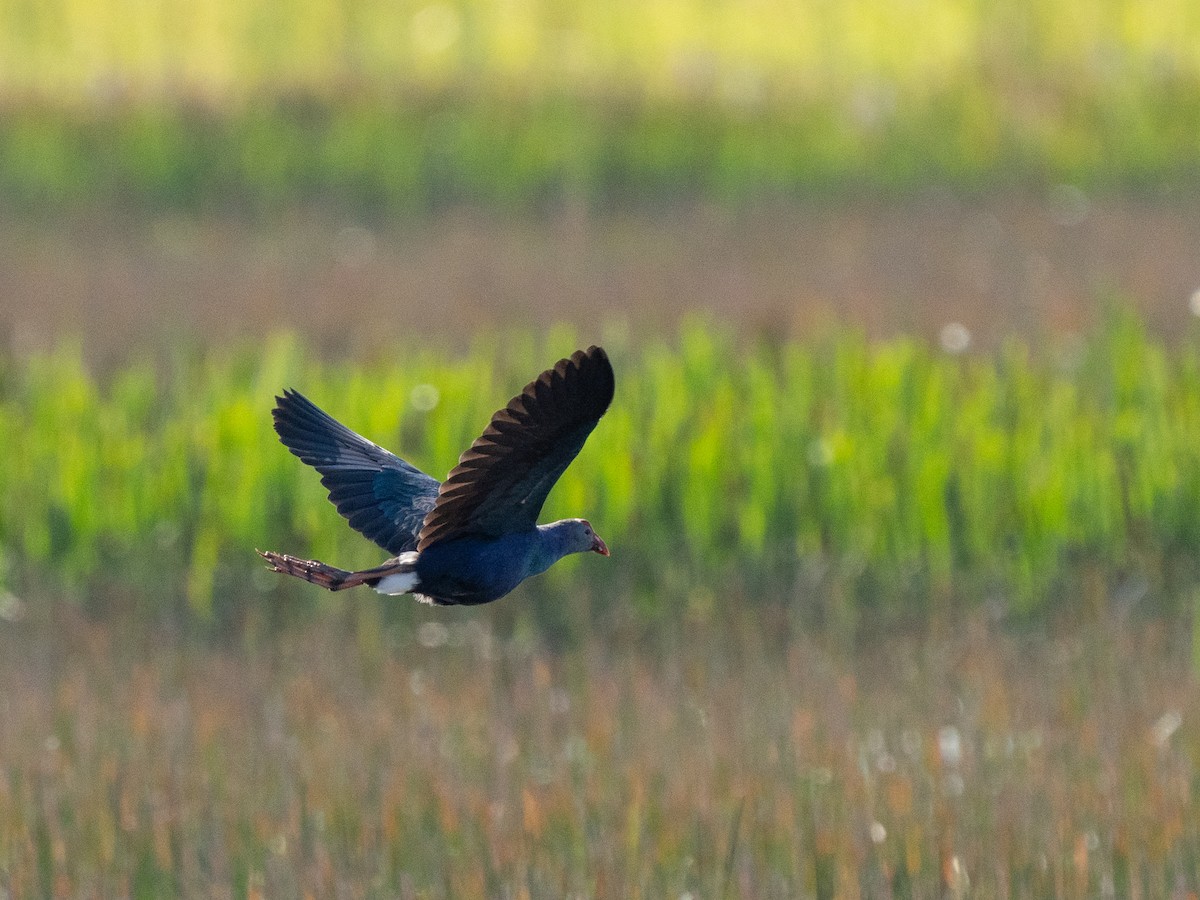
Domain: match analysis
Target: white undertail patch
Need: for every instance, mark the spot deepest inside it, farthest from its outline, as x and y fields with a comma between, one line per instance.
x=400, y=582
x=397, y=584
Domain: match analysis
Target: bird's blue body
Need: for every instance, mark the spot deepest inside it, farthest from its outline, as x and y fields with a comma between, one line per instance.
x=478, y=570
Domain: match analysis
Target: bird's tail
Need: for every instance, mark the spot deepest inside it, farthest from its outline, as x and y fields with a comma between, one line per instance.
x=394, y=573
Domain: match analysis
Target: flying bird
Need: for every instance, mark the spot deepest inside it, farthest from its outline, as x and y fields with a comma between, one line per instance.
x=474, y=537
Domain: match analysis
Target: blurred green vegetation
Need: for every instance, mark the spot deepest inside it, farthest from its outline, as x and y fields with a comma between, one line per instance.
x=901, y=477
x=254, y=106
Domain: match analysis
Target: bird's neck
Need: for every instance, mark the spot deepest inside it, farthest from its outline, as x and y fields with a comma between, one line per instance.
x=552, y=543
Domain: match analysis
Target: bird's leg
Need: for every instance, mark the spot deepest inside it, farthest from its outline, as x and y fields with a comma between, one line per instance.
x=313, y=571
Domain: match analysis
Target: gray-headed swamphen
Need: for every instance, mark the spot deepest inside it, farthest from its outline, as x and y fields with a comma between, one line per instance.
x=475, y=537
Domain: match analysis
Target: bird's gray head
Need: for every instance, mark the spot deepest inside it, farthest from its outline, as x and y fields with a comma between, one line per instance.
x=578, y=536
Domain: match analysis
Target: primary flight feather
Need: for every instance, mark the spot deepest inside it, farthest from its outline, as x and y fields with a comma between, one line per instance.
x=474, y=537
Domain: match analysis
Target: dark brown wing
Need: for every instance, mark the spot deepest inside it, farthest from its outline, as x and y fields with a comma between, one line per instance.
x=501, y=482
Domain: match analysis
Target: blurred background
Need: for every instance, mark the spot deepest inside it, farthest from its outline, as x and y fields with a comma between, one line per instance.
x=455, y=165
x=902, y=480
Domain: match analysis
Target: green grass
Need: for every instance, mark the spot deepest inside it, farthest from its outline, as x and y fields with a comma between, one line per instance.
x=226, y=51
x=896, y=477
x=381, y=107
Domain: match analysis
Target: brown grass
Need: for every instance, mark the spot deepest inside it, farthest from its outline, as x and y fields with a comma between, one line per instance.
x=441, y=759
x=996, y=265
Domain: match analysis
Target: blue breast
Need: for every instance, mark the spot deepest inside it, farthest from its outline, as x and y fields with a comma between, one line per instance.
x=476, y=570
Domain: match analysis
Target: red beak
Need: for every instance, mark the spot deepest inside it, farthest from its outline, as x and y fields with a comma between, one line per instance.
x=598, y=546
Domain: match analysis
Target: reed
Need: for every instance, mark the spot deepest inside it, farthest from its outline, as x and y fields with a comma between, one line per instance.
x=454, y=758
x=910, y=475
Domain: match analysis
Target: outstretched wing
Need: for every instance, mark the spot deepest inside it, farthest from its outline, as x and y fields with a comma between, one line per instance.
x=383, y=497
x=502, y=480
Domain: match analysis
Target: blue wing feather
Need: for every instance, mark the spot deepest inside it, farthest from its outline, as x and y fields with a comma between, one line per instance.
x=383, y=497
